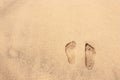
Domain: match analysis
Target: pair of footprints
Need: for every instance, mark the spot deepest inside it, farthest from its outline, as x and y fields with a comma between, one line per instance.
x=89, y=54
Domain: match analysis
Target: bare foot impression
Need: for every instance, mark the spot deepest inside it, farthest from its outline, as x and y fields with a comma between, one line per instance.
x=89, y=56
x=70, y=52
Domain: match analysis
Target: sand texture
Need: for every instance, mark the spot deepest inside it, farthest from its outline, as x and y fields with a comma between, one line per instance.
x=59, y=39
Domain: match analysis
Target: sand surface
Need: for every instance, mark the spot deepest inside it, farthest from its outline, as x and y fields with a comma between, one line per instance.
x=35, y=33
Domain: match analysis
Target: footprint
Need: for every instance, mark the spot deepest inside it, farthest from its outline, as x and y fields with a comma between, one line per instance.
x=70, y=52
x=89, y=56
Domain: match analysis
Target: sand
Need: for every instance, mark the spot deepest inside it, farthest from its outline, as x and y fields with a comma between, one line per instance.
x=34, y=33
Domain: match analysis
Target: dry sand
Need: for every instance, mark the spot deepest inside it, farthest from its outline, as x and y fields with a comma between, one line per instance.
x=34, y=33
